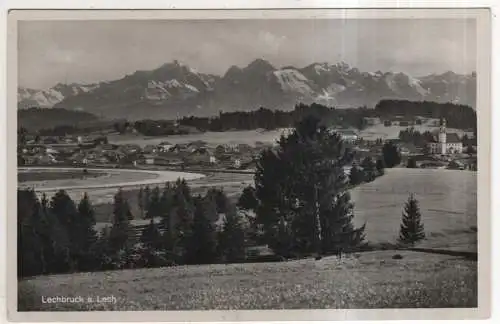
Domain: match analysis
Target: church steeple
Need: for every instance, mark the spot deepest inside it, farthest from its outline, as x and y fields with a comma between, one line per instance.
x=442, y=136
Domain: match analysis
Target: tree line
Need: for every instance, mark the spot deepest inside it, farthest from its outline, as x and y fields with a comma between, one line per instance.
x=59, y=236
x=457, y=116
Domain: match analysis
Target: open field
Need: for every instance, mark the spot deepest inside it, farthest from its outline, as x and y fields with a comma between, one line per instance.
x=114, y=179
x=365, y=280
x=51, y=175
x=392, y=132
x=252, y=136
x=448, y=203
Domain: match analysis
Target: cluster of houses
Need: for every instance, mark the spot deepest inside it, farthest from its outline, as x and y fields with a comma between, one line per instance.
x=97, y=152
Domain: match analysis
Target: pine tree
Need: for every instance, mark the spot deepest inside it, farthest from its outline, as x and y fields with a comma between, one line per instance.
x=151, y=236
x=369, y=169
x=87, y=236
x=356, y=176
x=391, y=155
x=380, y=166
x=296, y=185
x=232, y=237
x=65, y=212
x=248, y=200
x=166, y=200
x=202, y=243
x=119, y=236
x=147, y=199
x=140, y=201
x=154, y=204
x=412, y=228
x=181, y=219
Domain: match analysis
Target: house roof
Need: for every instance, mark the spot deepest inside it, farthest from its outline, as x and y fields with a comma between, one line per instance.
x=450, y=138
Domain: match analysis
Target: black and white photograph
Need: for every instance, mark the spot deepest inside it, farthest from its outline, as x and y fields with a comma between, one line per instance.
x=248, y=162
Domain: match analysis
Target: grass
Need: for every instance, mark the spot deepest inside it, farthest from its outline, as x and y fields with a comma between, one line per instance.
x=364, y=280
x=447, y=199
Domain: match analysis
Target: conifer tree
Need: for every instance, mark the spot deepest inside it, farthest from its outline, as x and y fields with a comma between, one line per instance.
x=202, y=243
x=356, y=176
x=147, y=199
x=154, y=204
x=119, y=236
x=412, y=228
x=232, y=237
x=140, y=201
x=151, y=236
x=248, y=200
x=369, y=169
x=391, y=155
x=380, y=166
x=297, y=185
x=87, y=236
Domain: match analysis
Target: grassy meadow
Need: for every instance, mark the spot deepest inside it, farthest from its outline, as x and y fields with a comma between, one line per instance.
x=365, y=280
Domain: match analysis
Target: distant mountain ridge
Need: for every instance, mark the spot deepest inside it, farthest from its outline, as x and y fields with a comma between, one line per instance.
x=176, y=90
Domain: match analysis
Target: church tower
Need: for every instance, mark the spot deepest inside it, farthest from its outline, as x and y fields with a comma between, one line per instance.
x=442, y=137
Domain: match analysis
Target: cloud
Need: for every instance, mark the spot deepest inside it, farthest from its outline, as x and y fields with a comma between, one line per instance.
x=271, y=41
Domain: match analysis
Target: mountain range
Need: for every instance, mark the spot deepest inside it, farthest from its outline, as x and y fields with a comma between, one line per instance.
x=175, y=90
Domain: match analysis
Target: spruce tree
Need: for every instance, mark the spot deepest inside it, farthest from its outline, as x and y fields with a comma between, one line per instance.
x=356, y=176
x=248, y=200
x=87, y=236
x=412, y=228
x=232, y=237
x=202, y=243
x=380, y=166
x=154, y=204
x=151, y=236
x=147, y=199
x=369, y=169
x=391, y=155
x=297, y=184
x=119, y=236
x=140, y=201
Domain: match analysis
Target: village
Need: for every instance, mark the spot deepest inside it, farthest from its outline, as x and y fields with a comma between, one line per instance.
x=440, y=149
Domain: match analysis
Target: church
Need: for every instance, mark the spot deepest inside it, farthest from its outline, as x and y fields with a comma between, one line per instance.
x=445, y=143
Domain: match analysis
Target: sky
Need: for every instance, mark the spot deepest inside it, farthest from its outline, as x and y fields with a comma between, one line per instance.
x=50, y=52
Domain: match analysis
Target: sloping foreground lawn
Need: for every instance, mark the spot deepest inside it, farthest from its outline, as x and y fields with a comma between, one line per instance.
x=367, y=280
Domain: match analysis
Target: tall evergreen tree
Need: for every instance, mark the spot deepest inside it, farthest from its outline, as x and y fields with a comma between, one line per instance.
x=87, y=236
x=297, y=186
x=202, y=243
x=369, y=169
x=248, y=200
x=391, y=155
x=232, y=238
x=356, y=176
x=412, y=228
x=147, y=199
x=141, y=202
x=119, y=236
x=66, y=213
x=151, y=236
x=154, y=209
x=380, y=166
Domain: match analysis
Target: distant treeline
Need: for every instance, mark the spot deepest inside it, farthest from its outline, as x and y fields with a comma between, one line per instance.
x=35, y=119
x=457, y=116
x=272, y=119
